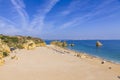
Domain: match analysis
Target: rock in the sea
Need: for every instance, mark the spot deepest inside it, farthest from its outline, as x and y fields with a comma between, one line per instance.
x=59, y=43
x=72, y=45
x=98, y=44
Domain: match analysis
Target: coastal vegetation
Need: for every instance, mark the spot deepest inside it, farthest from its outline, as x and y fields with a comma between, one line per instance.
x=9, y=43
x=19, y=41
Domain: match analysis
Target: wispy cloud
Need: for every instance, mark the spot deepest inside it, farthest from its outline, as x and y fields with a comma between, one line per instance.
x=73, y=23
x=18, y=21
x=73, y=6
x=38, y=21
x=73, y=15
x=69, y=24
x=20, y=8
x=7, y=28
x=99, y=10
x=7, y=21
x=35, y=25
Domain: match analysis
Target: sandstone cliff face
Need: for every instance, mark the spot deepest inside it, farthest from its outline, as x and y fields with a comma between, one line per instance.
x=2, y=61
x=29, y=45
x=4, y=47
x=17, y=42
x=40, y=44
x=4, y=51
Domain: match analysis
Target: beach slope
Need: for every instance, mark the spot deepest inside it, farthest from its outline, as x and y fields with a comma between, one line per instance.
x=46, y=63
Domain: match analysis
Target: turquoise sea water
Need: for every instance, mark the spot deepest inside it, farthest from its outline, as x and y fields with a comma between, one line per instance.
x=109, y=51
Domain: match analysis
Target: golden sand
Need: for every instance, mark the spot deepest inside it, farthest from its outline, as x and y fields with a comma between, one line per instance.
x=54, y=63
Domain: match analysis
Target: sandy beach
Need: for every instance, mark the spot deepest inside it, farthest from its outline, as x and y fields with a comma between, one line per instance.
x=54, y=63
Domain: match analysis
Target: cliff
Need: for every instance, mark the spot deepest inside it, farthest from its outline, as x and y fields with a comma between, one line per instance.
x=29, y=45
x=4, y=49
x=18, y=42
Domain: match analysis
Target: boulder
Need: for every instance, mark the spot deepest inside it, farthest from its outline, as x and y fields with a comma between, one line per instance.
x=71, y=45
x=29, y=45
x=98, y=44
x=59, y=43
x=83, y=56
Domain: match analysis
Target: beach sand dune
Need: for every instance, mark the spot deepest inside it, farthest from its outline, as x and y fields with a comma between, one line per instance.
x=44, y=63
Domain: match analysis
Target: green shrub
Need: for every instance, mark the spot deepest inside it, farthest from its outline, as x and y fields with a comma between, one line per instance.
x=5, y=54
x=19, y=46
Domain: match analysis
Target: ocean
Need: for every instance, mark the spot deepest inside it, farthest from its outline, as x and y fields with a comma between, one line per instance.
x=110, y=50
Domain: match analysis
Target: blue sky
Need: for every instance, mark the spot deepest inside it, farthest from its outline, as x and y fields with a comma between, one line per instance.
x=61, y=19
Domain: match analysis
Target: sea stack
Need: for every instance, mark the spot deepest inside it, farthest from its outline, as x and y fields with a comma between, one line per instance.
x=72, y=45
x=98, y=44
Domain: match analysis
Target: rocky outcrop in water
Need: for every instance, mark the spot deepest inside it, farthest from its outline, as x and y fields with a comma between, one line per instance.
x=98, y=44
x=59, y=43
x=71, y=45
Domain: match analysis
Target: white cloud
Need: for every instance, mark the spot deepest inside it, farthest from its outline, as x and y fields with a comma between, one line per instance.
x=73, y=6
x=19, y=6
x=25, y=26
x=98, y=10
x=7, y=21
x=35, y=26
x=7, y=28
x=38, y=21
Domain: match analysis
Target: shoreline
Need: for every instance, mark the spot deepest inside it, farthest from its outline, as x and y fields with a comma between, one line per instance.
x=62, y=50
x=90, y=58
x=94, y=56
x=85, y=55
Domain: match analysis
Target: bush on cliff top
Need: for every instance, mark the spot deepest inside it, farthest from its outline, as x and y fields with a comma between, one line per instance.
x=7, y=42
x=17, y=41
